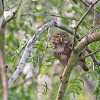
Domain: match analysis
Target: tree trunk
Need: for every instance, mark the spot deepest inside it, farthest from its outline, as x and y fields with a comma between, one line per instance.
x=2, y=45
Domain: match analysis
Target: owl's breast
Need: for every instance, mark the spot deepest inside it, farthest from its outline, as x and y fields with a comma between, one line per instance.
x=63, y=57
x=58, y=49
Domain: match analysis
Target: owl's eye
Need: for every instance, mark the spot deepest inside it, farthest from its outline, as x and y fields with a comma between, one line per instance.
x=57, y=37
x=65, y=36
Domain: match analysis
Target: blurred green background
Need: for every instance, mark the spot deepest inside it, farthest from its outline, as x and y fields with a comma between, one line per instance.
x=40, y=77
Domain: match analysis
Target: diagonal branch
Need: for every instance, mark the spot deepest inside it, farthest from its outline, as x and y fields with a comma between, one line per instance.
x=13, y=15
x=92, y=53
x=95, y=60
x=27, y=51
x=82, y=18
x=73, y=58
x=88, y=5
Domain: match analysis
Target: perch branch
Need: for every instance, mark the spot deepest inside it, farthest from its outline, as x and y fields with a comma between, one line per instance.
x=82, y=18
x=73, y=58
x=27, y=51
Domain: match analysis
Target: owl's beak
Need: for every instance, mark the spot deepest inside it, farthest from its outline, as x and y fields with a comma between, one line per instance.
x=61, y=39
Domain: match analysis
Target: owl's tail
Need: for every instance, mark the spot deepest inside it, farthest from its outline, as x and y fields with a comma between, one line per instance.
x=85, y=68
x=83, y=65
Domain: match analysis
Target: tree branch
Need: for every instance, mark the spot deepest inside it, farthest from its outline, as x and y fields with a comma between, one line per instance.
x=95, y=60
x=73, y=58
x=13, y=15
x=92, y=53
x=88, y=5
x=27, y=51
x=41, y=14
x=82, y=18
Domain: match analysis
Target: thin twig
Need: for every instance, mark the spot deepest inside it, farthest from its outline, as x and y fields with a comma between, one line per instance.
x=82, y=18
x=3, y=76
x=82, y=37
x=40, y=14
x=95, y=60
x=94, y=18
x=13, y=15
x=88, y=5
x=35, y=73
x=88, y=33
x=92, y=53
x=46, y=47
x=97, y=27
x=60, y=9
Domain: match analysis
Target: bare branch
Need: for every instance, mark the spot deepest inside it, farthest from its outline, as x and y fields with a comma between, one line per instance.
x=30, y=78
x=61, y=8
x=27, y=51
x=38, y=14
x=82, y=37
x=3, y=76
x=97, y=27
x=94, y=18
x=82, y=18
x=88, y=5
x=95, y=60
x=73, y=58
x=92, y=53
x=35, y=73
x=13, y=15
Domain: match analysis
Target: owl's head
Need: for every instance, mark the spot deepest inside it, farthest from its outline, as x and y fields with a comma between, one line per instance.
x=60, y=37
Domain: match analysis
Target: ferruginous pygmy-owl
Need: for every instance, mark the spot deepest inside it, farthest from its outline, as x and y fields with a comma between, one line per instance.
x=62, y=48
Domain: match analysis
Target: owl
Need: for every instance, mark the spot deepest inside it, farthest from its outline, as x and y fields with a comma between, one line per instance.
x=62, y=48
